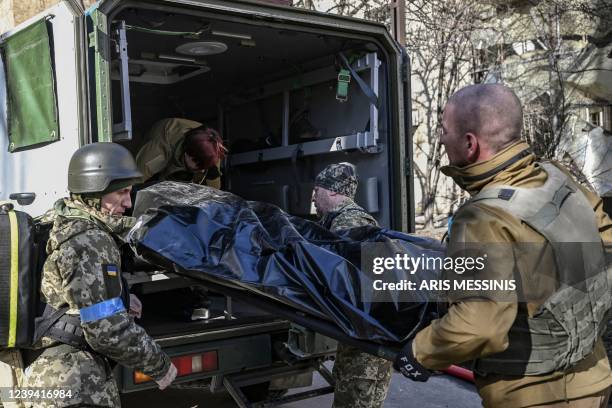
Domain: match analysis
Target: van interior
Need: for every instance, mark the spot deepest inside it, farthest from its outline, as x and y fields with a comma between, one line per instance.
x=271, y=91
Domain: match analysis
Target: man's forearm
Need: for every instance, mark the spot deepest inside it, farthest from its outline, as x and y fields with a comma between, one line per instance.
x=470, y=329
x=122, y=340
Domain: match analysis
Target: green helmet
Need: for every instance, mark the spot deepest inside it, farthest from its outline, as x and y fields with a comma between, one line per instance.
x=94, y=167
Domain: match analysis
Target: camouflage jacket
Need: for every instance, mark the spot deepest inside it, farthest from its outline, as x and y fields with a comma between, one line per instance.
x=347, y=215
x=83, y=269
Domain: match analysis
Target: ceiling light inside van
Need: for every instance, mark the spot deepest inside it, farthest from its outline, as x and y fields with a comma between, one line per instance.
x=202, y=48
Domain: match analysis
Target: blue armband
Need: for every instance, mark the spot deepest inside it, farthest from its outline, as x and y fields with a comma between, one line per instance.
x=101, y=310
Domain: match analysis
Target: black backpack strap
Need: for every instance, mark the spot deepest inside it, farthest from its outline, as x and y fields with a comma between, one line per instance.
x=68, y=330
x=56, y=324
x=65, y=328
x=49, y=317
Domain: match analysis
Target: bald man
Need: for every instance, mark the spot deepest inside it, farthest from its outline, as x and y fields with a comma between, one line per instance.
x=541, y=346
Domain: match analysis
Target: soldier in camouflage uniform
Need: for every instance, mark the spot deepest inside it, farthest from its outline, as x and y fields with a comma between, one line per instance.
x=82, y=274
x=362, y=380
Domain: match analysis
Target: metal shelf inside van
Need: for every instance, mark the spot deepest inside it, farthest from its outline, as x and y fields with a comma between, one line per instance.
x=361, y=141
x=366, y=141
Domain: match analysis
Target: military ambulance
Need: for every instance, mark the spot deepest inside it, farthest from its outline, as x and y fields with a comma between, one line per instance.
x=290, y=91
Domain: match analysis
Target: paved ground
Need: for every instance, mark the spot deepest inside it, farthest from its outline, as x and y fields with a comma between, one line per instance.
x=439, y=392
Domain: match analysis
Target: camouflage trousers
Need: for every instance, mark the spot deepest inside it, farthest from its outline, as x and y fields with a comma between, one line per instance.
x=362, y=380
x=86, y=375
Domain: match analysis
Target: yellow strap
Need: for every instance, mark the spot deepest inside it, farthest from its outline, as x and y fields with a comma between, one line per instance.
x=12, y=337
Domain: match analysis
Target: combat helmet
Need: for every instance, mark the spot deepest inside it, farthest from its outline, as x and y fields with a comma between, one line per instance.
x=94, y=167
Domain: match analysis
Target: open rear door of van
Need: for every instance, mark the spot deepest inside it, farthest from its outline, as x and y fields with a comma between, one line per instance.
x=43, y=116
x=152, y=45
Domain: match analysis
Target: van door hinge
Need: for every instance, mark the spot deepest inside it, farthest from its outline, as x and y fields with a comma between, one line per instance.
x=92, y=39
x=96, y=38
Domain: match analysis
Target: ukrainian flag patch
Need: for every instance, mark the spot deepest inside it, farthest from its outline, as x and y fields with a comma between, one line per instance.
x=112, y=280
x=111, y=270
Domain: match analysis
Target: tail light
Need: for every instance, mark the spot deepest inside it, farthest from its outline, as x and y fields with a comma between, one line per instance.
x=140, y=377
x=196, y=363
x=185, y=365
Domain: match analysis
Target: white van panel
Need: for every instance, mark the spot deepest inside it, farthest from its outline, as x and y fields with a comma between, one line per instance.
x=43, y=170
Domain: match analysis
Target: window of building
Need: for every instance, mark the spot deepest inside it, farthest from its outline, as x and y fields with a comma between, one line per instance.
x=600, y=116
x=595, y=118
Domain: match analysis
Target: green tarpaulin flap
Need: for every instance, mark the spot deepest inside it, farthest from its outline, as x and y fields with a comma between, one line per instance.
x=32, y=104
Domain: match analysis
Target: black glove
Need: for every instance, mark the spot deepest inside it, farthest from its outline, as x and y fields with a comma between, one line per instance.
x=406, y=364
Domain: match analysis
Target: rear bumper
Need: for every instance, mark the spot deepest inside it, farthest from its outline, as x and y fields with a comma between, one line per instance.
x=246, y=352
x=233, y=355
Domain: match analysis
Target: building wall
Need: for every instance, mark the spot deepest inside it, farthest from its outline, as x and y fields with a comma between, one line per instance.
x=7, y=17
x=15, y=12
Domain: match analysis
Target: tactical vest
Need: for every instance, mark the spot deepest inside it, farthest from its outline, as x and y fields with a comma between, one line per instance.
x=567, y=325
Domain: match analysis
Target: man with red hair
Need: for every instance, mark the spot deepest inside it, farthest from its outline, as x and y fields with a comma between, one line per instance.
x=182, y=150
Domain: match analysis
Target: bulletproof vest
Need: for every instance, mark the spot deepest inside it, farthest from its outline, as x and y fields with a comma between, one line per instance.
x=567, y=325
